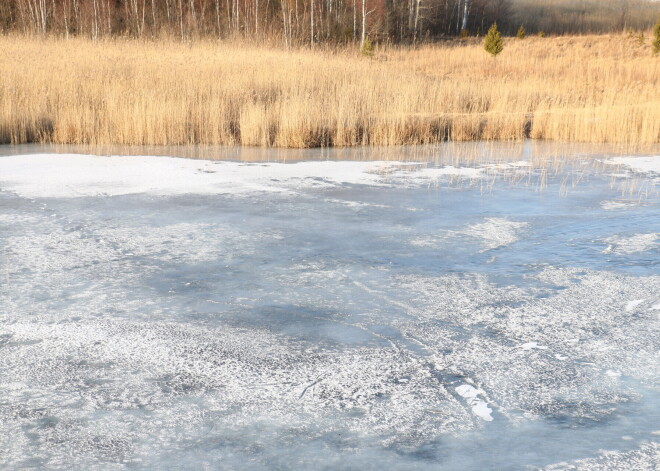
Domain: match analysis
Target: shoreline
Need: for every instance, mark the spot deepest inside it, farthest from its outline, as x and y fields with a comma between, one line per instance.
x=466, y=152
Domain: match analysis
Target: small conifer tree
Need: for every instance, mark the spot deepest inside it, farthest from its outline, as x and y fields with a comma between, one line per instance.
x=367, y=47
x=541, y=34
x=521, y=32
x=656, y=38
x=493, y=42
x=464, y=34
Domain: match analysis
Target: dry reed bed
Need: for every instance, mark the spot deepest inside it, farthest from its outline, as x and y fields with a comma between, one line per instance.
x=590, y=89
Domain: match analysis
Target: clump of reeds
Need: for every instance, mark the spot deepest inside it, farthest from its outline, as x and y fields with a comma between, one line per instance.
x=591, y=89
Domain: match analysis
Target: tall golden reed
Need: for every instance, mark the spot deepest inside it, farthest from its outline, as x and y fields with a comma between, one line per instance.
x=589, y=89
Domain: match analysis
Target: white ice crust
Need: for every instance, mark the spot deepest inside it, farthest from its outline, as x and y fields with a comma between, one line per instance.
x=478, y=405
x=649, y=165
x=620, y=245
x=73, y=175
x=496, y=232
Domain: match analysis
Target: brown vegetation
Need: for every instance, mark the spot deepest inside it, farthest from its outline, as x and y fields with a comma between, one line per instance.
x=589, y=89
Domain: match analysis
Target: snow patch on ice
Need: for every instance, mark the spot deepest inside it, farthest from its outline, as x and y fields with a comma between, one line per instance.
x=478, y=405
x=629, y=245
x=496, y=232
x=648, y=165
x=424, y=241
x=611, y=205
x=532, y=346
x=508, y=165
x=633, y=304
x=431, y=173
x=70, y=176
x=355, y=204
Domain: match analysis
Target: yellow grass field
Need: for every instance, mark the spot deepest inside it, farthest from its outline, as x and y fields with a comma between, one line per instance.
x=599, y=89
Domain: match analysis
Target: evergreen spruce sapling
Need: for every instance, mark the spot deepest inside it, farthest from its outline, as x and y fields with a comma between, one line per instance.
x=493, y=43
x=521, y=32
x=656, y=38
x=367, y=47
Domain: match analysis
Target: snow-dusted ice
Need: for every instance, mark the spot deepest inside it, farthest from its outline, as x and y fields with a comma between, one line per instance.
x=163, y=313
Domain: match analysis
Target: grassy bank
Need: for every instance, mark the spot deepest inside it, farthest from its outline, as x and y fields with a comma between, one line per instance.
x=589, y=89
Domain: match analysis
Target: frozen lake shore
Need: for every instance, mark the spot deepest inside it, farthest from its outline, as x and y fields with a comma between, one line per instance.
x=164, y=313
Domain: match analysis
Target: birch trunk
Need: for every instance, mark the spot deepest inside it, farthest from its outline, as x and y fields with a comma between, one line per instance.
x=364, y=23
x=311, y=21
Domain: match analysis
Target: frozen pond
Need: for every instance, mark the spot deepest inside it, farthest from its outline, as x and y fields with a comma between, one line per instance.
x=167, y=313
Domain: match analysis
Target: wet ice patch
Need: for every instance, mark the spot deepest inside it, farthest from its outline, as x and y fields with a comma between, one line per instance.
x=620, y=245
x=496, y=232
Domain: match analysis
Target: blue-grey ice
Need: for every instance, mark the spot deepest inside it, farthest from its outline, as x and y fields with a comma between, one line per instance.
x=165, y=313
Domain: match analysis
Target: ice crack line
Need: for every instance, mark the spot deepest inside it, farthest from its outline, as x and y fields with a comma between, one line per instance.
x=310, y=385
x=465, y=392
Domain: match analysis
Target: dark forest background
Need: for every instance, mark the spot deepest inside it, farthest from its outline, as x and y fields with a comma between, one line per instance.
x=312, y=21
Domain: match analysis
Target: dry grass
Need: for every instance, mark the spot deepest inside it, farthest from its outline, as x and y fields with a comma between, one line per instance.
x=587, y=89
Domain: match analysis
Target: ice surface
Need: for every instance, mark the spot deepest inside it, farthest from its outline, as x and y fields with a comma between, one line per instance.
x=322, y=315
x=71, y=176
x=479, y=406
x=646, y=458
x=496, y=232
x=619, y=204
x=647, y=166
x=621, y=245
x=650, y=164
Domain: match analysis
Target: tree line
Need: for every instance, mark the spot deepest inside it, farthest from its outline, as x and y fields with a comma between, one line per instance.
x=289, y=21
x=294, y=21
